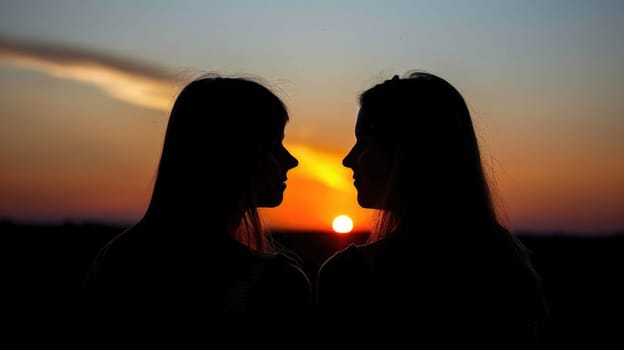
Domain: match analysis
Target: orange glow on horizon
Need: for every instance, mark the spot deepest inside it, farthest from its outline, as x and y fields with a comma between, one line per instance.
x=85, y=154
x=317, y=189
x=308, y=204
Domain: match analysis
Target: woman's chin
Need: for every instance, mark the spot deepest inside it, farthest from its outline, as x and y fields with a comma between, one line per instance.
x=271, y=202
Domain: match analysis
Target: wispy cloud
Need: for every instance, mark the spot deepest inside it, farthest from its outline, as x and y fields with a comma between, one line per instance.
x=148, y=87
x=126, y=80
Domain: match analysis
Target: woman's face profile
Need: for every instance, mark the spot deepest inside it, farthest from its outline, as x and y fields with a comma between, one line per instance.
x=370, y=164
x=269, y=176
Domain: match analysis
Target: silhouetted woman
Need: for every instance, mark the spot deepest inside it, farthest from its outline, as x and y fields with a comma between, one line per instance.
x=439, y=268
x=198, y=263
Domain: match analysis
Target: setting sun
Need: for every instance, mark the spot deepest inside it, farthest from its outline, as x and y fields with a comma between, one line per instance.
x=342, y=224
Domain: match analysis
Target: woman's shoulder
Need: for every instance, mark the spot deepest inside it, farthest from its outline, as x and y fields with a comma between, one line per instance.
x=112, y=248
x=350, y=258
x=123, y=246
x=341, y=258
x=278, y=281
x=282, y=268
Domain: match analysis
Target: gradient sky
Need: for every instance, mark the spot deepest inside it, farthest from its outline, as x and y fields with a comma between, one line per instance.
x=87, y=87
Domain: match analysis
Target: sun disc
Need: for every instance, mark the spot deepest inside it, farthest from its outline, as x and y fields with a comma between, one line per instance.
x=342, y=224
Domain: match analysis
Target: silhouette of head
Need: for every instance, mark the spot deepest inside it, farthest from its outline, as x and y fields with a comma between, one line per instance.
x=416, y=156
x=223, y=155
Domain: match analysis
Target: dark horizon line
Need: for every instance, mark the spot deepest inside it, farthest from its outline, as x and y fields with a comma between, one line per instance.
x=121, y=225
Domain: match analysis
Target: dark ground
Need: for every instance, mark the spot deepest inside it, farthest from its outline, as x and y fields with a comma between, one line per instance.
x=42, y=267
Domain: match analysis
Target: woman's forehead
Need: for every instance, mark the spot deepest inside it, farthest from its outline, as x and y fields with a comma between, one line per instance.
x=365, y=119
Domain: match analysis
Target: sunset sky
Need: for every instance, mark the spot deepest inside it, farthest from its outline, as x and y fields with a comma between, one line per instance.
x=87, y=87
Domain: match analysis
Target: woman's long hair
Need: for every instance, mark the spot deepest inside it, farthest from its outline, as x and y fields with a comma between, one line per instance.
x=216, y=128
x=437, y=178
